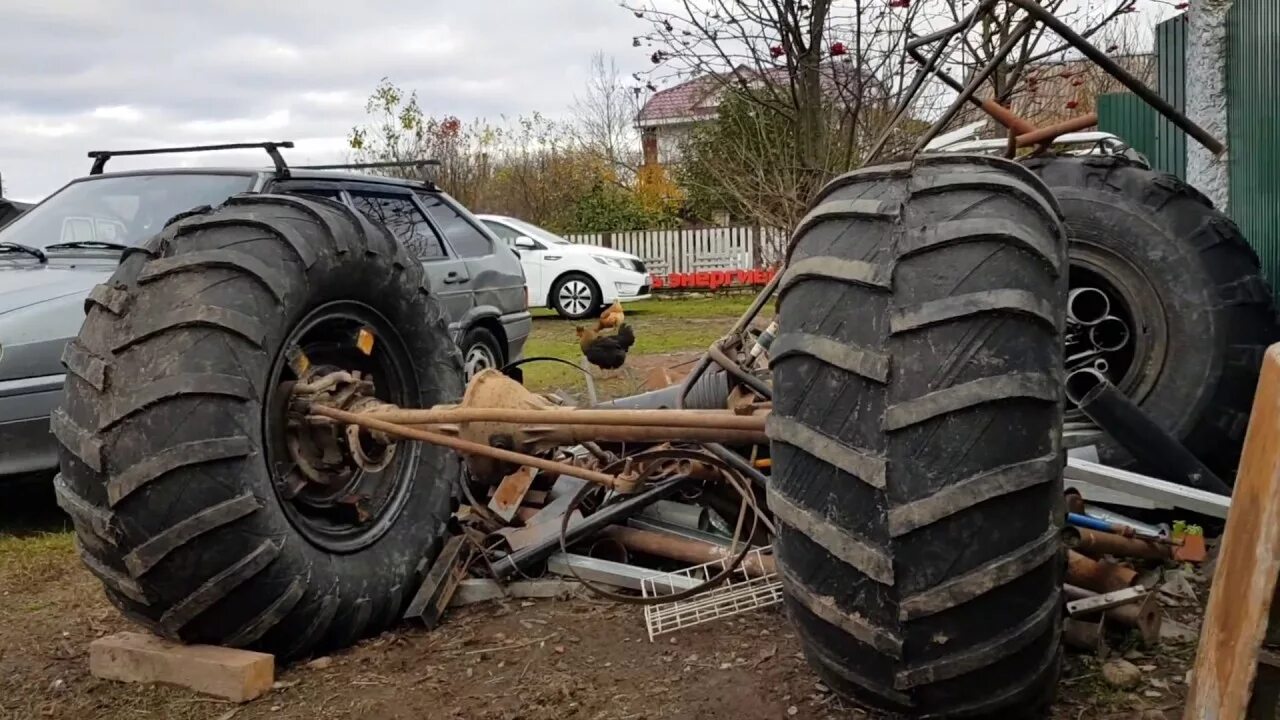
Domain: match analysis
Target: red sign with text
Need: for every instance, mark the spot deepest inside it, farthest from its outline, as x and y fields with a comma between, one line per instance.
x=713, y=279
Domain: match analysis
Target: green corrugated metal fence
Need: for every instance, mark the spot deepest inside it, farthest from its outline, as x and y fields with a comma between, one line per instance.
x=1125, y=115
x=1253, y=118
x=1170, y=153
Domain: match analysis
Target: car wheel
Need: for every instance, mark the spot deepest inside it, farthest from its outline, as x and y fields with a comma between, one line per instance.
x=575, y=297
x=480, y=351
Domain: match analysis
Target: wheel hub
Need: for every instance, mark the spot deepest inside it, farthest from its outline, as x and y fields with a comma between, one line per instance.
x=341, y=487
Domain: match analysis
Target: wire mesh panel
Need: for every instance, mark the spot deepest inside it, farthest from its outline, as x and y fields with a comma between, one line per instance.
x=752, y=585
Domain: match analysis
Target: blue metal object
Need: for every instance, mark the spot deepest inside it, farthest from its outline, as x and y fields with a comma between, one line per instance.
x=1085, y=521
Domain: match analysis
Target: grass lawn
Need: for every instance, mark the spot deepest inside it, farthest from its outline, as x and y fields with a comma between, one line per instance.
x=667, y=331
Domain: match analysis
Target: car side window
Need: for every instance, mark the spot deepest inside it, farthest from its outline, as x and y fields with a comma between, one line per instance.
x=506, y=234
x=327, y=194
x=464, y=237
x=403, y=219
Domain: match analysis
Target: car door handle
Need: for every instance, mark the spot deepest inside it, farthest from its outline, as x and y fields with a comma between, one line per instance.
x=454, y=276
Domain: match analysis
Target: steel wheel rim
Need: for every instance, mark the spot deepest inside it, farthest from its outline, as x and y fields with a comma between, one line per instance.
x=1126, y=286
x=479, y=357
x=309, y=513
x=575, y=297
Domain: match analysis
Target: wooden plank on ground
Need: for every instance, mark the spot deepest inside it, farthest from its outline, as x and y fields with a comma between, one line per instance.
x=237, y=675
x=1244, y=583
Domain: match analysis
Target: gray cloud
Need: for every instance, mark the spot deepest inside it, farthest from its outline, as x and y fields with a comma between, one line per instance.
x=88, y=74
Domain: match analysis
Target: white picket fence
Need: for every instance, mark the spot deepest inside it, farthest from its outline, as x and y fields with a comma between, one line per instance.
x=691, y=250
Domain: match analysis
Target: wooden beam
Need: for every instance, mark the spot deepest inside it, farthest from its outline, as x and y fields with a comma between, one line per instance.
x=1244, y=583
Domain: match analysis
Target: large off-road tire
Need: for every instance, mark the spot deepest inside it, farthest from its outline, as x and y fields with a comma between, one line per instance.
x=1191, y=288
x=916, y=437
x=170, y=465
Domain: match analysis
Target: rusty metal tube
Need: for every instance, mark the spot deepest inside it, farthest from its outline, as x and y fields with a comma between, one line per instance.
x=643, y=418
x=1084, y=635
x=1112, y=68
x=684, y=549
x=1095, y=543
x=1047, y=134
x=1097, y=575
x=472, y=448
x=572, y=434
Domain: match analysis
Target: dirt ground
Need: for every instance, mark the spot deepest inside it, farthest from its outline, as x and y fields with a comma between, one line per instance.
x=537, y=660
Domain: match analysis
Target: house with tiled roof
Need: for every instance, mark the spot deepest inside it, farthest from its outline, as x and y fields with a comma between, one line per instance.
x=671, y=113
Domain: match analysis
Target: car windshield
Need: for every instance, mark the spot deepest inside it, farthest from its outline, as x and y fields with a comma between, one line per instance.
x=536, y=232
x=124, y=209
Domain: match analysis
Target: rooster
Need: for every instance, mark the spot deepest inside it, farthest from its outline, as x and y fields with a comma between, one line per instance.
x=612, y=317
x=607, y=352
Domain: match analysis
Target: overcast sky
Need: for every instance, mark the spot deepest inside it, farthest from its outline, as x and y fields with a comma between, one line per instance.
x=80, y=75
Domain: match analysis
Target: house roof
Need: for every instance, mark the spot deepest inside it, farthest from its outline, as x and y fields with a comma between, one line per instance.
x=698, y=99
x=693, y=99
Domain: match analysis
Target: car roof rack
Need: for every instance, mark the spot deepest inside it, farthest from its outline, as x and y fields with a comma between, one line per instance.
x=100, y=157
x=372, y=165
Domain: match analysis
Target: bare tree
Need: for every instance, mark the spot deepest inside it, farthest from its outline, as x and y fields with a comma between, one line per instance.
x=996, y=27
x=810, y=82
x=604, y=115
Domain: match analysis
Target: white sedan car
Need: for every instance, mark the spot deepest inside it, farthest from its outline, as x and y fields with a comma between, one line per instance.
x=577, y=281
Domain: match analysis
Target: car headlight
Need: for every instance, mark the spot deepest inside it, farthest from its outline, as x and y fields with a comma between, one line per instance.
x=612, y=262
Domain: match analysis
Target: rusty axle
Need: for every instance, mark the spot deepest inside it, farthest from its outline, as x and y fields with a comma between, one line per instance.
x=473, y=448
x=724, y=419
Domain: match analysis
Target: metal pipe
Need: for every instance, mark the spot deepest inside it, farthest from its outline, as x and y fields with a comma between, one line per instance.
x=472, y=448
x=1084, y=635
x=979, y=78
x=525, y=558
x=711, y=392
x=759, y=386
x=1136, y=432
x=571, y=434
x=1098, y=575
x=1109, y=334
x=1081, y=381
x=1087, y=305
x=693, y=517
x=738, y=326
x=1116, y=519
x=684, y=549
x=998, y=112
x=739, y=463
x=1112, y=68
x=1049, y=133
x=1096, y=544
x=569, y=416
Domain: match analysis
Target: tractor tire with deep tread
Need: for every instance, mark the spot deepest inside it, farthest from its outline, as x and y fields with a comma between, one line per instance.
x=916, y=437
x=1203, y=314
x=164, y=465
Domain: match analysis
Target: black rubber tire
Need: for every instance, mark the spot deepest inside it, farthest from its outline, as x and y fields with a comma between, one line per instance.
x=1208, y=314
x=162, y=428
x=479, y=336
x=916, y=437
x=596, y=303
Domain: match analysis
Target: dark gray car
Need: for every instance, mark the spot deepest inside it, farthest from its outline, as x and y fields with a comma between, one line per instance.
x=52, y=256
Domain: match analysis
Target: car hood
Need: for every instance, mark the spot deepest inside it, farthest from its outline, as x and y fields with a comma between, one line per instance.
x=41, y=308
x=24, y=285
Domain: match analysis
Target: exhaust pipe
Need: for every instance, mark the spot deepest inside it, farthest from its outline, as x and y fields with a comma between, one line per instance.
x=1087, y=306
x=1136, y=432
x=1109, y=333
